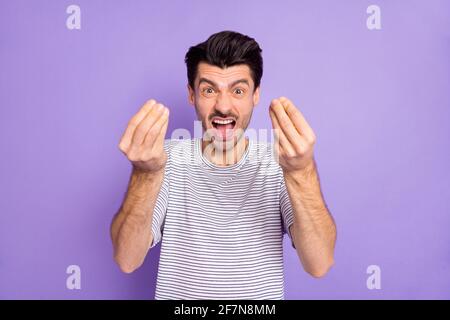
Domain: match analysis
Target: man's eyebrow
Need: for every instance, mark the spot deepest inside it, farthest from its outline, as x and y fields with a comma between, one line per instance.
x=207, y=81
x=245, y=81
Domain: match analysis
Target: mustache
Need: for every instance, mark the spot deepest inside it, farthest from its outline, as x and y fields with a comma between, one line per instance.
x=222, y=115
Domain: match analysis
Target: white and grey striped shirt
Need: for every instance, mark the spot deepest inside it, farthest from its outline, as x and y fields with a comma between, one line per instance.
x=221, y=227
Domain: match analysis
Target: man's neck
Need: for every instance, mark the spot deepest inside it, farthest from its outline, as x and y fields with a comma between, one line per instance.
x=224, y=157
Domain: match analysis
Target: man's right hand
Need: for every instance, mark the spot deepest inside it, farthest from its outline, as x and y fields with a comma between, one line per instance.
x=143, y=140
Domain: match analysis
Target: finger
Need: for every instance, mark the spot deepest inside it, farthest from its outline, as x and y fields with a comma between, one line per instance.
x=162, y=136
x=282, y=143
x=155, y=132
x=286, y=125
x=145, y=125
x=125, y=141
x=298, y=119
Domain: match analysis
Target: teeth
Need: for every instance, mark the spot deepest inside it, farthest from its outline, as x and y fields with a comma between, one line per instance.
x=223, y=121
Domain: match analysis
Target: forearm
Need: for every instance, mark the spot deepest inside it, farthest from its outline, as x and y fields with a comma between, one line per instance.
x=313, y=230
x=131, y=228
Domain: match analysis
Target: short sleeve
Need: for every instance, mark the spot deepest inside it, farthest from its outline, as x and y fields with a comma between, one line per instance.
x=160, y=210
x=287, y=215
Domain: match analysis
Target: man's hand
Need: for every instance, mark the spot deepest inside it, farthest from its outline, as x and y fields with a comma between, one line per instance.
x=294, y=137
x=143, y=140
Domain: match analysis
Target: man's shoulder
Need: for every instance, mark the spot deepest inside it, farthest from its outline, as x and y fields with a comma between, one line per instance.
x=180, y=151
x=262, y=150
x=171, y=144
x=262, y=145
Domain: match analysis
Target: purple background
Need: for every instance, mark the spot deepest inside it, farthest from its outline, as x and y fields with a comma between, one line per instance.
x=377, y=100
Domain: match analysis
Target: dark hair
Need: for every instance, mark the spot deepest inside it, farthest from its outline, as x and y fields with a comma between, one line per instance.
x=226, y=49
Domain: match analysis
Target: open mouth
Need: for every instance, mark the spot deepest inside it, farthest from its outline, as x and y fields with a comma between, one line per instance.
x=224, y=127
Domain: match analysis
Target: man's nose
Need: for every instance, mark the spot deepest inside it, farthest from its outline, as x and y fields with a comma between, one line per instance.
x=223, y=103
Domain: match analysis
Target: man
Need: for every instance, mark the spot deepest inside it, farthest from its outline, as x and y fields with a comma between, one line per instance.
x=221, y=204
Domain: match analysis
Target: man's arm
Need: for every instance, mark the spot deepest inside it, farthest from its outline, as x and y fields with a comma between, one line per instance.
x=313, y=230
x=131, y=227
x=143, y=144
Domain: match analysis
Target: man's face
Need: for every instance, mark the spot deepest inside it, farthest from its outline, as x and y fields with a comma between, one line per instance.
x=224, y=100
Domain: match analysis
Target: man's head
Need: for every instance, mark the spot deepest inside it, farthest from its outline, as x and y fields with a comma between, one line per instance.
x=224, y=75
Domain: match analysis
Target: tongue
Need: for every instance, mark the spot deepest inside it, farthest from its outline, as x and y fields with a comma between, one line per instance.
x=225, y=130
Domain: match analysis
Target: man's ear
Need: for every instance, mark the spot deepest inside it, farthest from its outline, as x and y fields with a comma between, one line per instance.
x=191, y=95
x=256, y=96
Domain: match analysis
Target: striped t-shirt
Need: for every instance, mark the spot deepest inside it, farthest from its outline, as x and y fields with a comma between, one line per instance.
x=221, y=228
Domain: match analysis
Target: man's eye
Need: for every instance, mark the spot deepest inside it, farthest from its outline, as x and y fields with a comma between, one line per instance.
x=238, y=91
x=208, y=90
